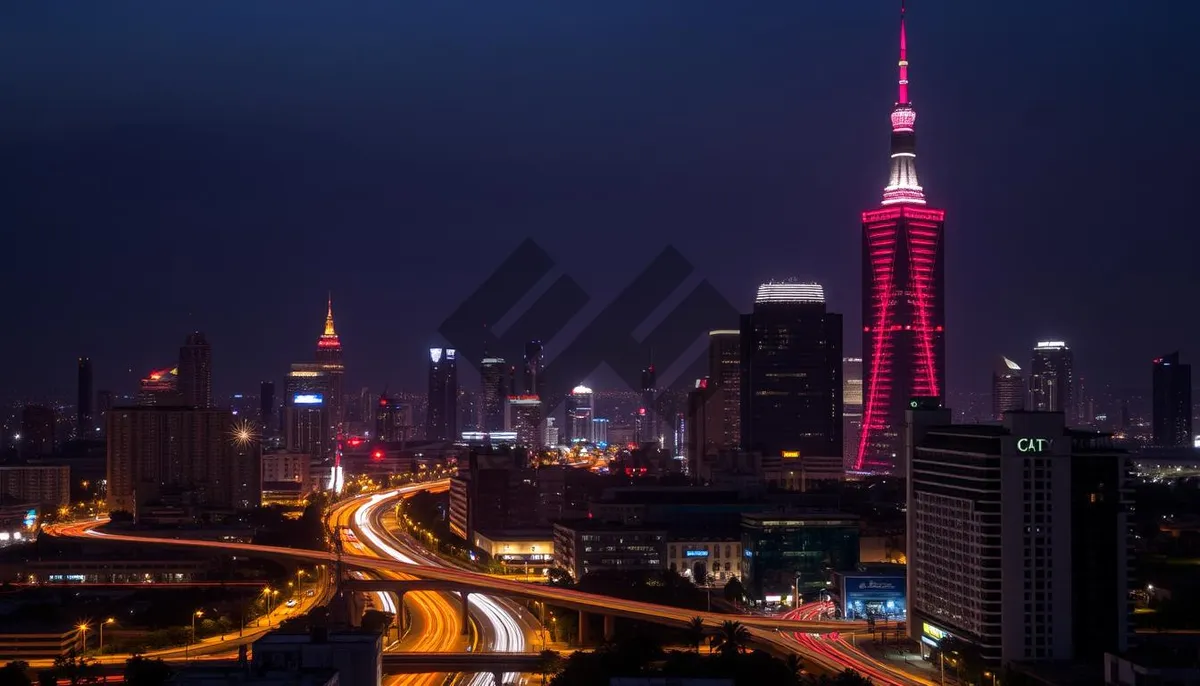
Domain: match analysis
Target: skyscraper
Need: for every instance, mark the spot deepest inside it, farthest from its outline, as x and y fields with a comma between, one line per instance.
x=84, y=411
x=1052, y=379
x=650, y=420
x=306, y=413
x=1008, y=388
x=725, y=372
x=329, y=356
x=792, y=374
x=1172, y=420
x=494, y=378
x=904, y=289
x=534, y=369
x=580, y=411
x=441, y=414
x=852, y=408
x=195, y=371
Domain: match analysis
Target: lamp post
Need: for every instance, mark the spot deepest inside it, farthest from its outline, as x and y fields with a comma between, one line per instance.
x=796, y=591
x=187, y=648
x=83, y=627
x=992, y=676
x=110, y=620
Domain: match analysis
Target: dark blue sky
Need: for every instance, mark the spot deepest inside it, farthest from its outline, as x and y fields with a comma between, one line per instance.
x=220, y=165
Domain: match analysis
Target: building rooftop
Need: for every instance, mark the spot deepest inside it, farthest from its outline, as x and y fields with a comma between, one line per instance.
x=799, y=516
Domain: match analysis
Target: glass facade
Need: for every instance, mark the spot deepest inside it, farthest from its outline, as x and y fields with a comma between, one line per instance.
x=776, y=549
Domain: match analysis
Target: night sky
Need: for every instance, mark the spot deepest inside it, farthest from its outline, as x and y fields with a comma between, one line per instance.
x=170, y=166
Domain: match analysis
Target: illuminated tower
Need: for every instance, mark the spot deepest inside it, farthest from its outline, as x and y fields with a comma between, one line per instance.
x=441, y=418
x=904, y=351
x=329, y=356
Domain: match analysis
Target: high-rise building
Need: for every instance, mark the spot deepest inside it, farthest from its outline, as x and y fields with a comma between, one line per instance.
x=441, y=414
x=393, y=420
x=651, y=422
x=523, y=414
x=1052, y=379
x=195, y=371
x=104, y=403
x=534, y=369
x=494, y=376
x=266, y=411
x=725, y=372
x=195, y=458
x=329, y=356
x=904, y=294
x=84, y=413
x=1172, y=409
x=705, y=424
x=792, y=374
x=37, y=431
x=1019, y=538
x=852, y=409
x=306, y=413
x=580, y=411
x=1008, y=389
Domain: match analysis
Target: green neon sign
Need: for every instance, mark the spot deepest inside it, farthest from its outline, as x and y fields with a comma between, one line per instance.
x=1034, y=445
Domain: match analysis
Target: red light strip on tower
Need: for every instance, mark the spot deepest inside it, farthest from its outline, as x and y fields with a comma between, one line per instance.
x=879, y=386
x=922, y=248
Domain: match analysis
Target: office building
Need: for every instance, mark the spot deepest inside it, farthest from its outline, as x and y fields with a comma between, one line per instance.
x=266, y=409
x=307, y=427
x=580, y=411
x=48, y=485
x=903, y=292
x=441, y=419
x=285, y=467
x=725, y=373
x=584, y=546
x=600, y=431
x=393, y=420
x=792, y=373
x=37, y=431
x=1008, y=389
x=1018, y=538
x=704, y=422
x=783, y=551
x=195, y=371
x=104, y=403
x=523, y=416
x=1052, y=379
x=192, y=458
x=354, y=658
x=648, y=413
x=494, y=377
x=852, y=409
x=84, y=413
x=534, y=369
x=329, y=358
x=1172, y=420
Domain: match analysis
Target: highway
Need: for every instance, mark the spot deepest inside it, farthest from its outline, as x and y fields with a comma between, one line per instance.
x=502, y=626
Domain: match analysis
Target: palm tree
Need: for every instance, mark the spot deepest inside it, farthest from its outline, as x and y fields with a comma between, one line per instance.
x=695, y=632
x=732, y=638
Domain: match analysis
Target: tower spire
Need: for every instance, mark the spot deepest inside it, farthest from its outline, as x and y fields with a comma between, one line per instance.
x=329, y=330
x=903, y=187
x=903, y=99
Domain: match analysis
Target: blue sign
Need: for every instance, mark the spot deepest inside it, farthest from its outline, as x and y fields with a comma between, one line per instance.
x=873, y=596
x=695, y=553
x=308, y=399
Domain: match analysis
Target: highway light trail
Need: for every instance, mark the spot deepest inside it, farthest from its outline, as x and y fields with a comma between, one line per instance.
x=507, y=635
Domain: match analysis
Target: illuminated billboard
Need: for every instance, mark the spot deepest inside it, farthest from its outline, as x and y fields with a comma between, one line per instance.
x=870, y=595
x=308, y=399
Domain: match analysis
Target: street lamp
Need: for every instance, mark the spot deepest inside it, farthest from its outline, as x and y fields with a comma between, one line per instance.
x=110, y=620
x=83, y=627
x=187, y=647
x=992, y=676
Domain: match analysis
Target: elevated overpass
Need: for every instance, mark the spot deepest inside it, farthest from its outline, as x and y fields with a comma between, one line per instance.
x=458, y=580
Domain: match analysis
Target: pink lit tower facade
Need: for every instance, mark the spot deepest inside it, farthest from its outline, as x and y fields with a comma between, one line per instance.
x=904, y=287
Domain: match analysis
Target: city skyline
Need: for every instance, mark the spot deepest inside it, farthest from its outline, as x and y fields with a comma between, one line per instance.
x=785, y=204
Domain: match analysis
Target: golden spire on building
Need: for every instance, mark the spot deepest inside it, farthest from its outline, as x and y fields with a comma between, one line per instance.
x=329, y=318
